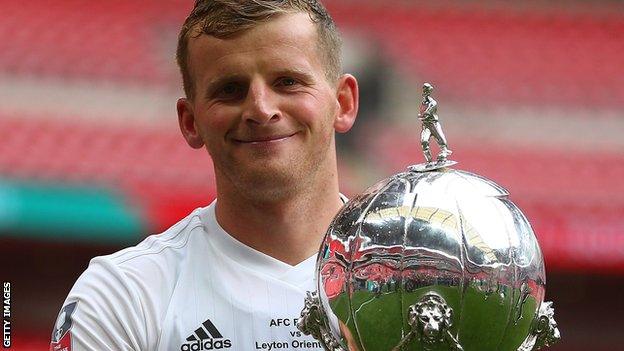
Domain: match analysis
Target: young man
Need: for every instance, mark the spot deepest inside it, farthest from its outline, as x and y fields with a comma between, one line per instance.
x=264, y=96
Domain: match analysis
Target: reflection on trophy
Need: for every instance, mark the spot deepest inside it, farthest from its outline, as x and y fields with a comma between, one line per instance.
x=430, y=259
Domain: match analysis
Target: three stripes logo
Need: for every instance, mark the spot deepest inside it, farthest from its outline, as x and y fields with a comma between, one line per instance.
x=206, y=337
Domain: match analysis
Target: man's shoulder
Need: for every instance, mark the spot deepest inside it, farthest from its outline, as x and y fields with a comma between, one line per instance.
x=160, y=246
x=156, y=261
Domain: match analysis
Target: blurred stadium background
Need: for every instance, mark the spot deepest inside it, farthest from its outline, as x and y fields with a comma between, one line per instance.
x=531, y=95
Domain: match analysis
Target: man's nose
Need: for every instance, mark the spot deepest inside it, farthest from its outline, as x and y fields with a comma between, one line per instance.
x=260, y=105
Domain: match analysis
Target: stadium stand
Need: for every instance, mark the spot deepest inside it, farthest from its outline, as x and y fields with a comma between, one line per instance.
x=501, y=55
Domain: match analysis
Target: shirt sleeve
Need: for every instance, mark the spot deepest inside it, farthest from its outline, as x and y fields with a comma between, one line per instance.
x=102, y=312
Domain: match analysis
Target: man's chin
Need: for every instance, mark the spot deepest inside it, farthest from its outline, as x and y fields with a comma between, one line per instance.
x=269, y=178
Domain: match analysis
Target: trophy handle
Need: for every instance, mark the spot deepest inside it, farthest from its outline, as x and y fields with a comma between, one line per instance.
x=544, y=332
x=312, y=323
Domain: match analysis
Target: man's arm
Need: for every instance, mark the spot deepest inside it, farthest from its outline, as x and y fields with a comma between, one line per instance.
x=102, y=312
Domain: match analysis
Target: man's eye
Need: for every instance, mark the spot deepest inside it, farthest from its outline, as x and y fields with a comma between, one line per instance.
x=287, y=82
x=230, y=89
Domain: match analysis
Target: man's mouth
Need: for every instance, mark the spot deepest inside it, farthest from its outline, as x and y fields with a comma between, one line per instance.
x=264, y=138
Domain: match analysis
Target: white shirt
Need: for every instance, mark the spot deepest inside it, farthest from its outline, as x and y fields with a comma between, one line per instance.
x=193, y=287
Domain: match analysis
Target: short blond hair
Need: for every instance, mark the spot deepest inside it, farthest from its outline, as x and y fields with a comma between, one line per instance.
x=226, y=18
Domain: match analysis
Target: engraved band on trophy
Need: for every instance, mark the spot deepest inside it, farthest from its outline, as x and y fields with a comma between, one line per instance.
x=430, y=259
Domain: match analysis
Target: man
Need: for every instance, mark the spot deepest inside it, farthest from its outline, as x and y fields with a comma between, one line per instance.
x=264, y=96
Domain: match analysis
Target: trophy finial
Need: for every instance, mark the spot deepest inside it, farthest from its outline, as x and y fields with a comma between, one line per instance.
x=431, y=127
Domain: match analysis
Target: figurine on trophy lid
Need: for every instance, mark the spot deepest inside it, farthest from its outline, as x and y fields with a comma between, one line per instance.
x=431, y=127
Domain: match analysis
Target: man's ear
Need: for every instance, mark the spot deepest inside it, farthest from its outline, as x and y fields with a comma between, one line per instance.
x=186, y=119
x=347, y=95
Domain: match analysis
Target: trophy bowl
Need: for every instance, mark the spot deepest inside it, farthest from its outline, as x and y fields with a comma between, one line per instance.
x=430, y=259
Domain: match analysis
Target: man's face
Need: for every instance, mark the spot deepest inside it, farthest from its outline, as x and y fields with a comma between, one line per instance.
x=263, y=106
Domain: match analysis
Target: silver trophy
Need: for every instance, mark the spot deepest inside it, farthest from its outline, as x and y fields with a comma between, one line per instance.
x=430, y=259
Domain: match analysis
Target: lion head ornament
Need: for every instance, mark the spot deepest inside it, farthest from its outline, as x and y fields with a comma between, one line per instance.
x=431, y=319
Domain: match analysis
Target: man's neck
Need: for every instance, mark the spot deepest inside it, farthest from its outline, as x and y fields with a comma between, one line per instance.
x=289, y=230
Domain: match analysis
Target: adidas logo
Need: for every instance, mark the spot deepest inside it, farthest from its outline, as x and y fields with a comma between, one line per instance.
x=206, y=337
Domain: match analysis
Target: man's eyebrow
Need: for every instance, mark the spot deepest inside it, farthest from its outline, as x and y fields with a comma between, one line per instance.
x=295, y=72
